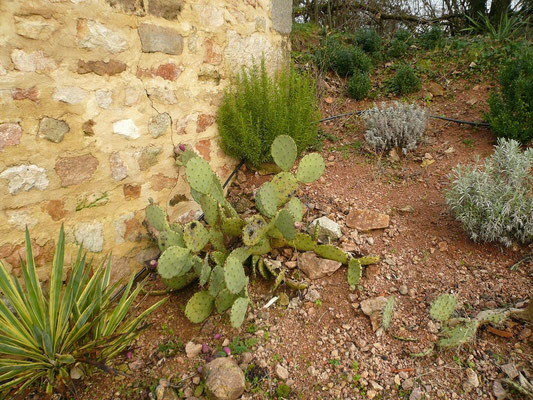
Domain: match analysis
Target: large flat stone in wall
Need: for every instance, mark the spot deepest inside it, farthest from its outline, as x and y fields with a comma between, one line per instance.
x=245, y=50
x=156, y=38
x=168, y=9
x=282, y=16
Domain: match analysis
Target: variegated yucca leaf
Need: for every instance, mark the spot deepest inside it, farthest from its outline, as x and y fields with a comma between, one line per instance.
x=41, y=337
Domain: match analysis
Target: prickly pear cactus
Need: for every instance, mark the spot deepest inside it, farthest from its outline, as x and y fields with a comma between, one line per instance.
x=175, y=261
x=156, y=217
x=199, y=307
x=354, y=273
x=303, y=242
x=234, y=275
x=460, y=334
x=286, y=187
x=207, y=254
x=285, y=224
x=443, y=307
x=195, y=236
x=331, y=253
x=284, y=152
x=255, y=229
x=238, y=311
x=388, y=312
x=311, y=168
x=266, y=200
x=296, y=208
x=493, y=317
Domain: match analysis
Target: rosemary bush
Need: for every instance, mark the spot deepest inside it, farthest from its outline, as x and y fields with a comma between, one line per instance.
x=511, y=107
x=399, y=125
x=342, y=58
x=359, y=85
x=369, y=40
x=405, y=81
x=494, y=201
x=258, y=108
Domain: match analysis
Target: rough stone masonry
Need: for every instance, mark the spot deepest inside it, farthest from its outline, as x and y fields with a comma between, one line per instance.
x=95, y=94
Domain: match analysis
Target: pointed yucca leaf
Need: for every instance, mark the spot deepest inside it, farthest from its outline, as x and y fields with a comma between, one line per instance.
x=56, y=281
x=26, y=379
x=10, y=324
x=122, y=308
x=9, y=286
x=33, y=287
x=33, y=351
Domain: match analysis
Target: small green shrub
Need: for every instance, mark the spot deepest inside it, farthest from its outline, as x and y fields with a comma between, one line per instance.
x=359, y=85
x=397, y=48
x=343, y=59
x=432, y=38
x=43, y=336
x=494, y=202
x=403, y=35
x=511, y=107
x=258, y=108
x=369, y=40
x=405, y=81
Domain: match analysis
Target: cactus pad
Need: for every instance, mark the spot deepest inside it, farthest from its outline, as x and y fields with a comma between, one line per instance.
x=238, y=311
x=234, y=275
x=286, y=187
x=232, y=226
x=296, y=208
x=443, y=307
x=199, y=175
x=262, y=269
x=210, y=208
x=494, y=317
x=205, y=272
x=216, y=237
x=460, y=334
x=303, y=242
x=255, y=229
x=284, y=152
x=285, y=224
x=216, y=281
x=367, y=260
x=388, y=312
x=156, y=217
x=261, y=248
x=241, y=254
x=170, y=238
x=184, y=157
x=331, y=253
x=224, y=300
x=199, y=307
x=279, y=280
x=179, y=282
x=195, y=236
x=175, y=261
x=266, y=200
x=218, y=257
x=354, y=273
x=311, y=168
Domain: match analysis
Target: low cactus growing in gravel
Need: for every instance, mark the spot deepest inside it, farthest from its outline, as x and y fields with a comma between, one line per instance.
x=462, y=330
x=494, y=202
x=209, y=255
x=399, y=125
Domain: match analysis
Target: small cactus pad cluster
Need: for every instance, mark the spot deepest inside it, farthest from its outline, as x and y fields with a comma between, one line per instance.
x=215, y=253
x=465, y=329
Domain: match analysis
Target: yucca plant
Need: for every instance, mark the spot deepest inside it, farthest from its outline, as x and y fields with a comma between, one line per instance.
x=42, y=336
x=508, y=28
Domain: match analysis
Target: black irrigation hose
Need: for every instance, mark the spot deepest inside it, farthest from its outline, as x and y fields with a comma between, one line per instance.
x=457, y=121
x=146, y=269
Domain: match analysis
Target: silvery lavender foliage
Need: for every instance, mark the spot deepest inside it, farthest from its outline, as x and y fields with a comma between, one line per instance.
x=399, y=125
x=494, y=201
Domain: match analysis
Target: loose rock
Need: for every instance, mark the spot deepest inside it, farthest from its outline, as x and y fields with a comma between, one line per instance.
x=192, y=349
x=315, y=267
x=282, y=372
x=328, y=229
x=367, y=220
x=224, y=380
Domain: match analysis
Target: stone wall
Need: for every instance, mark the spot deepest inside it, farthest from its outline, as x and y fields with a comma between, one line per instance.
x=94, y=97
